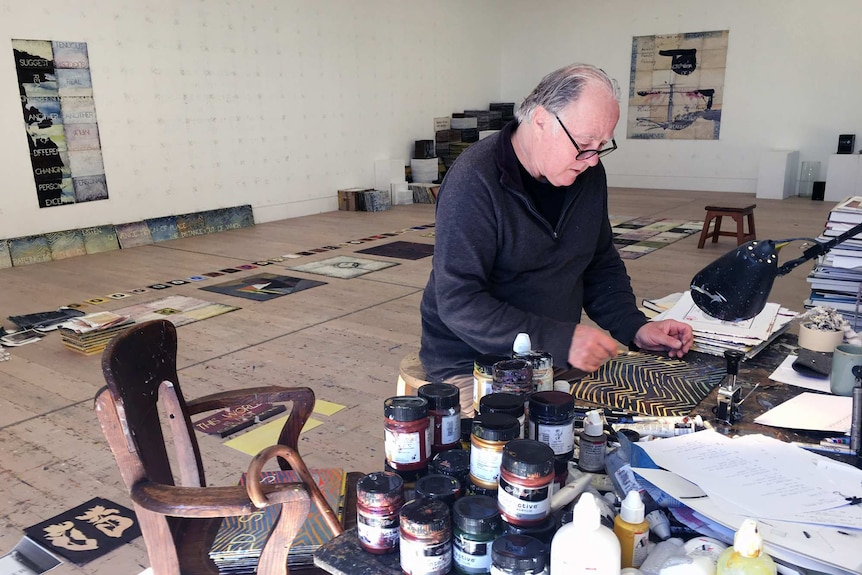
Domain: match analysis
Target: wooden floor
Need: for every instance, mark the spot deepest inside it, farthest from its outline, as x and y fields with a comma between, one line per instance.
x=344, y=339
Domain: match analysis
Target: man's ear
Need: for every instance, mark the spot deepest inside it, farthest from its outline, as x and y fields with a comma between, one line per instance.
x=541, y=116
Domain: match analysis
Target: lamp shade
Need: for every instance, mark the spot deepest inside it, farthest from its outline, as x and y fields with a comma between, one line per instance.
x=736, y=285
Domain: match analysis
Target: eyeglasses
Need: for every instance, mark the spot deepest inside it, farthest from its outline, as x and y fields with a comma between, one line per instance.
x=587, y=154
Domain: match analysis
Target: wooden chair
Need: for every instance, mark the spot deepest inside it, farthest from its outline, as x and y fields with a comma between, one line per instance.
x=179, y=519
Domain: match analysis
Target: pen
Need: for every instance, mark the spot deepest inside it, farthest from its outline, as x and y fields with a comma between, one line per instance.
x=829, y=448
x=835, y=440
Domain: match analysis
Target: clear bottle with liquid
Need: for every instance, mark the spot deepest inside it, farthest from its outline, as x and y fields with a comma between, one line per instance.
x=746, y=556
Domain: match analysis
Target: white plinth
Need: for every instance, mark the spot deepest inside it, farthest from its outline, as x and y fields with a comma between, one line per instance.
x=843, y=177
x=777, y=174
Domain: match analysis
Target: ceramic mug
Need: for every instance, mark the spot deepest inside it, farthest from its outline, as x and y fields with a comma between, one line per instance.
x=841, y=378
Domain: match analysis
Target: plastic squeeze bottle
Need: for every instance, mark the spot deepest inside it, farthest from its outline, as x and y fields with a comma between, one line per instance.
x=746, y=557
x=585, y=546
x=632, y=530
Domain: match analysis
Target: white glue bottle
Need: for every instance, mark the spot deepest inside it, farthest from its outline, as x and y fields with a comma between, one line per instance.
x=746, y=557
x=585, y=546
x=632, y=530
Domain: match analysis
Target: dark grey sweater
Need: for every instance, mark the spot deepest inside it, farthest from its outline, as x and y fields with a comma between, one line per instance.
x=500, y=268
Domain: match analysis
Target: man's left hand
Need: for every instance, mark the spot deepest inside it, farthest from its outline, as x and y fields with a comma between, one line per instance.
x=667, y=335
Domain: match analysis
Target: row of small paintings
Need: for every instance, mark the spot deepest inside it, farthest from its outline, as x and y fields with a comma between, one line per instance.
x=69, y=243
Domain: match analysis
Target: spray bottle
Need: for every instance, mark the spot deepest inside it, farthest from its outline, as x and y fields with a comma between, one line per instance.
x=746, y=557
x=632, y=530
x=585, y=545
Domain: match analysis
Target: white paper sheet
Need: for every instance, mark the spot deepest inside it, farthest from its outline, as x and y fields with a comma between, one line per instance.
x=811, y=412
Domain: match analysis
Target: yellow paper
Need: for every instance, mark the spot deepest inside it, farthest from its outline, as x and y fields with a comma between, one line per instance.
x=252, y=442
x=324, y=407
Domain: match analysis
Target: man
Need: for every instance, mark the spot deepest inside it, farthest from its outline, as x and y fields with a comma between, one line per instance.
x=523, y=242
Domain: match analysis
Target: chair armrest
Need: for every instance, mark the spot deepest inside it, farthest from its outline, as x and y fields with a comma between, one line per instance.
x=301, y=397
x=258, y=494
x=205, y=502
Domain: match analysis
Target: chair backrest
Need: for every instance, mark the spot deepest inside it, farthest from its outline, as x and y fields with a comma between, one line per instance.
x=135, y=365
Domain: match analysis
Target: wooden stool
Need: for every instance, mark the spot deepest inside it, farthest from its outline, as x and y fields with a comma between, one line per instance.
x=717, y=212
x=411, y=375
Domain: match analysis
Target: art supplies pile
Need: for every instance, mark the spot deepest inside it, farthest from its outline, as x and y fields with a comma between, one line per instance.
x=239, y=542
x=90, y=334
x=836, y=280
x=714, y=336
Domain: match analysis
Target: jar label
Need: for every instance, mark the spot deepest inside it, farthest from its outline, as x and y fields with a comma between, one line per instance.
x=450, y=429
x=420, y=558
x=471, y=556
x=592, y=455
x=526, y=503
x=481, y=388
x=485, y=464
x=560, y=438
x=379, y=532
x=543, y=378
x=640, y=547
x=404, y=447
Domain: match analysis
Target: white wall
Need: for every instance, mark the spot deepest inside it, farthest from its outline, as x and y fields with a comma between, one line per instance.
x=793, y=81
x=278, y=103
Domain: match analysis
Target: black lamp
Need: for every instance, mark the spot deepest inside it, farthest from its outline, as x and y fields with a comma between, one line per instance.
x=736, y=285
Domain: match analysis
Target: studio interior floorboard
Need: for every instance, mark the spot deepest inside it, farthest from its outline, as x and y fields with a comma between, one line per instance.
x=343, y=339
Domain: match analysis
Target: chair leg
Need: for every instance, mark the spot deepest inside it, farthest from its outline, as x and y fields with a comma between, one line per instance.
x=740, y=231
x=715, y=232
x=704, y=233
x=751, y=231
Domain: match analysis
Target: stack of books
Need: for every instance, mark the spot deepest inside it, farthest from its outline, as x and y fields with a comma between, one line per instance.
x=836, y=280
x=239, y=541
x=90, y=334
x=714, y=336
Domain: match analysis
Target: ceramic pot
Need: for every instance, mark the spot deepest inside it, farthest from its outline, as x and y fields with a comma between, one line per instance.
x=818, y=340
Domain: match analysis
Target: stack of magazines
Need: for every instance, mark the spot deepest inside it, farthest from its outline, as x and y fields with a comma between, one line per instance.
x=90, y=334
x=714, y=336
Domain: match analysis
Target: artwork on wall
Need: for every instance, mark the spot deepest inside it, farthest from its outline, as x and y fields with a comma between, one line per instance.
x=60, y=119
x=677, y=86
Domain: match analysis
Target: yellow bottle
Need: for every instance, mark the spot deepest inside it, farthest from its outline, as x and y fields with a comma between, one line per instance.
x=632, y=530
x=746, y=557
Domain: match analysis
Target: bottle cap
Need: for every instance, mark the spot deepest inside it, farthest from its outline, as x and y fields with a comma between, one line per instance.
x=586, y=512
x=496, y=427
x=507, y=403
x=528, y=458
x=747, y=541
x=405, y=408
x=519, y=553
x=632, y=508
x=552, y=405
x=522, y=343
x=477, y=514
x=593, y=423
x=440, y=396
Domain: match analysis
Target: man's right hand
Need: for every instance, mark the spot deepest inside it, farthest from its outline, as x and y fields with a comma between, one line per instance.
x=590, y=348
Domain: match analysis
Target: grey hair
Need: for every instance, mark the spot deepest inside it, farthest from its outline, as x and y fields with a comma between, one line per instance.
x=562, y=87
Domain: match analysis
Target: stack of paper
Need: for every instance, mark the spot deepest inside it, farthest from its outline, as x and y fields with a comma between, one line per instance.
x=90, y=334
x=803, y=502
x=715, y=336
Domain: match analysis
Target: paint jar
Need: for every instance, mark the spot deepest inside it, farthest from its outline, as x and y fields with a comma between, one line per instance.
x=483, y=376
x=407, y=434
x=513, y=376
x=426, y=538
x=592, y=442
x=379, y=498
x=476, y=523
x=552, y=422
x=543, y=531
x=444, y=414
x=454, y=463
x=507, y=403
x=490, y=434
x=408, y=477
x=543, y=369
x=436, y=486
x=526, y=474
x=473, y=489
x=466, y=431
x=518, y=555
